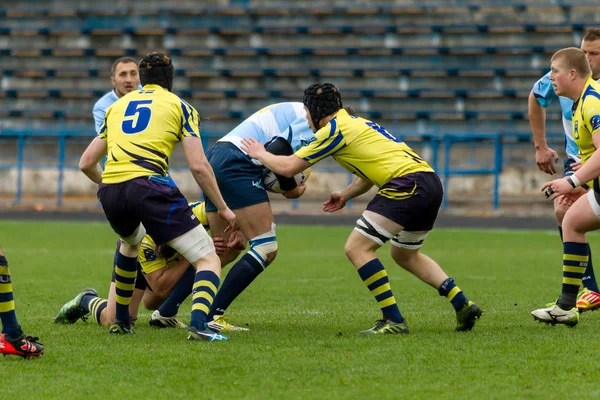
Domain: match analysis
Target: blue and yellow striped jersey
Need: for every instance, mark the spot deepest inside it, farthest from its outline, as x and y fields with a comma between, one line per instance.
x=141, y=130
x=586, y=122
x=363, y=148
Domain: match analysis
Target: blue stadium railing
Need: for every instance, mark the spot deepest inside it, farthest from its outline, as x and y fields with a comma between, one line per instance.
x=447, y=142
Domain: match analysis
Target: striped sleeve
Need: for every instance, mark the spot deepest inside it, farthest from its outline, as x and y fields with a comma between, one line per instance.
x=190, y=121
x=328, y=140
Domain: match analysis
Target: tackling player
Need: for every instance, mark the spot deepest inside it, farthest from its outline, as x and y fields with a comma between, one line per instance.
x=571, y=77
x=139, y=134
x=540, y=98
x=404, y=209
x=283, y=128
x=12, y=340
x=170, y=278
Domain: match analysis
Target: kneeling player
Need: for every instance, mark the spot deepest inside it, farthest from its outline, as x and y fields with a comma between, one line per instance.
x=164, y=280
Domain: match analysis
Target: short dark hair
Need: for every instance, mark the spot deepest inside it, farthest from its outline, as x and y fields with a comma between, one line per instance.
x=592, y=34
x=122, y=60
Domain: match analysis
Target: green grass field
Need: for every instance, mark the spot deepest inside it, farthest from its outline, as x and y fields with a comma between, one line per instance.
x=304, y=313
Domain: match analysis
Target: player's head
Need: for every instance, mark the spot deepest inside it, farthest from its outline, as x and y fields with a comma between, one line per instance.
x=157, y=68
x=124, y=75
x=570, y=69
x=590, y=44
x=320, y=101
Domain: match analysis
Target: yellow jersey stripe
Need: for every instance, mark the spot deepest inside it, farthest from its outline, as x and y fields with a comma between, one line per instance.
x=4, y=270
x=376, y=277
x=208, y=284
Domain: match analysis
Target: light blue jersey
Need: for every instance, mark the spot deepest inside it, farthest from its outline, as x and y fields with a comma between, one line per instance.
x=286, y=120
x=544, y=93
x=102, y=105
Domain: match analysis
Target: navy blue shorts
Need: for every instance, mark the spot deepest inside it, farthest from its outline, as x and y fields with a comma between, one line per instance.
x=567, y=164
x=162, y=209
x=416, y=212
x=239, y=179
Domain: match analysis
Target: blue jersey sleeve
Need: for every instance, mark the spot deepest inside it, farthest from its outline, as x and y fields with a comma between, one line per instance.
x=543, y=91
x=99, y=114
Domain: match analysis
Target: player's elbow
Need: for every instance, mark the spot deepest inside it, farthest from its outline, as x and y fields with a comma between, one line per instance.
x=86, y=163
x=200, y=167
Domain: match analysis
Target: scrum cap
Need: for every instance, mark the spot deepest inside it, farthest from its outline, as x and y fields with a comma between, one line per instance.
x=157, y=68
x=322, y=99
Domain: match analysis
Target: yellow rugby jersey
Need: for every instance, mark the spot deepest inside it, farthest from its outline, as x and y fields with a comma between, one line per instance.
x=147, y=257
x=363, y=148
x=141, y=130
x=586, y=122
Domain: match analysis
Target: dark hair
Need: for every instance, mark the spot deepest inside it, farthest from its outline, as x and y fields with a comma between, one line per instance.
x=157, y=68
x=321, y=100
x=122, y=60
x=592, y=34
x=351, y=111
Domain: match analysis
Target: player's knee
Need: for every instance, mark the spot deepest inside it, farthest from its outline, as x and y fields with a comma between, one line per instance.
x=228, y=256
x=559, y=212
x=264, y=247
x=404, y=257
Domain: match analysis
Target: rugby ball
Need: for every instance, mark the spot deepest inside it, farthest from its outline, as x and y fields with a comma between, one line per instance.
x=271, y=183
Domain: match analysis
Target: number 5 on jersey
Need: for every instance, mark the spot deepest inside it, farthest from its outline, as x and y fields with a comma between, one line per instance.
x=137, y=116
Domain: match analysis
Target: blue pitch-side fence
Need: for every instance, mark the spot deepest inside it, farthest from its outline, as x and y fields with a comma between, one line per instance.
x=446, y=141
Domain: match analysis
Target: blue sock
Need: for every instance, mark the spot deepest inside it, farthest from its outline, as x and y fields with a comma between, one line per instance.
x=240, y=276
x=449, y=290
x=589, y=278
x=125, y=274
x=10, y=325
x=375, y=278
x=204, y=291
x=182, y=290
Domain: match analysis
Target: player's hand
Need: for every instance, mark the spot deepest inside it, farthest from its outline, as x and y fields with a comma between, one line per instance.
x=220, y=245
x=570, y=198
x=295, y=192
x=228, y=216
x=545, y=159
x=335, y=202
x=237, y=241
x=252, y=147
x=576, y=165
x=555, y=188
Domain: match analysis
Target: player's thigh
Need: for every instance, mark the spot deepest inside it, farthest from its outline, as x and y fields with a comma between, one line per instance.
x=255, y=220
x=239, y=179
x=584, y=215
